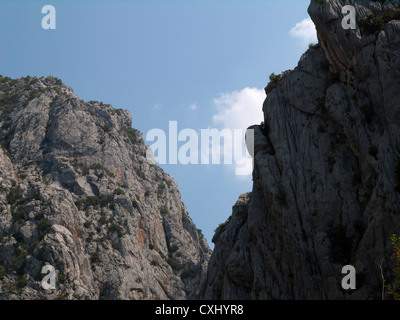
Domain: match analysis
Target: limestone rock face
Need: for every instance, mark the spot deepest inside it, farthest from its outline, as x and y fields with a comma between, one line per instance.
x=327, y=175
x=78, y=194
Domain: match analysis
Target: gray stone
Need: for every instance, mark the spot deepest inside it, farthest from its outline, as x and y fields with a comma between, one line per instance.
x=326, y=197
x=78, y=193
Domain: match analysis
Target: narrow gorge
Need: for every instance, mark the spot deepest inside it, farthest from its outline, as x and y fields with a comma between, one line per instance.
x=78, y=194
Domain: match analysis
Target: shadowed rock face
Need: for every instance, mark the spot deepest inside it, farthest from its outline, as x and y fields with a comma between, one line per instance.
x=77, y=193
x=325, y=192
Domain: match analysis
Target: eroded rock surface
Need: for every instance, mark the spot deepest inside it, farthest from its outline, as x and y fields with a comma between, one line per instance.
x=77, y=193
x=327, y=175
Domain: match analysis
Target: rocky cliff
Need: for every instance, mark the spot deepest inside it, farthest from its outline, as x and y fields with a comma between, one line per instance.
x=78, y=194
x=326, y=169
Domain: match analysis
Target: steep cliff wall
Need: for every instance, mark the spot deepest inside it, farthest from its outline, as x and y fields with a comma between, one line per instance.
x=326, y=174
x=77, y=193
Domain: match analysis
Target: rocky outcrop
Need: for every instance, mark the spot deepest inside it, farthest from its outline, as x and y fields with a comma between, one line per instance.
x=78, y=194
x=326, y=174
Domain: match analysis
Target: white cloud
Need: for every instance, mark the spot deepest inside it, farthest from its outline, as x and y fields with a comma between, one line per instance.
x=238, y=110
x=156, y=107
x=305, y=32
x=193, y=106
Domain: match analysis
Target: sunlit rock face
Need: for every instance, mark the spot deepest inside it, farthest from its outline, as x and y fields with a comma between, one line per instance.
x=77, y=193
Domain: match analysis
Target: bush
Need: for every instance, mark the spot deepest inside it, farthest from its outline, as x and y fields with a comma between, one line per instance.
x=14, y=196
x=95, y=258
x=36, y=194
x=116, y=228
x=185, y=216
x=18, y=213
x=154, y=262
x=118, y=192
x=188, y=272
x=87, y=224
x=175, y=265
x=164, y=210
x=103, y=219
x=160, y=190
x=44, y=226
x=312, y=45
x=58, y=81
x=220, y=226
x=131, y=134
x=107, y=128
x=372, y=24
x=168, y=183
x=274, y=77
x=135, y=204
x=174, y=248
x=139, y=173
x=18, y=236
x=395, y=289
x=61, y=278
x=203, y=246
x=89, y=238
x=8, y=103
x=93, y=201
x=22, y=281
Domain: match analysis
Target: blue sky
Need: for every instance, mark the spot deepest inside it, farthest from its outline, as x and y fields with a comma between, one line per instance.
x=201, y=63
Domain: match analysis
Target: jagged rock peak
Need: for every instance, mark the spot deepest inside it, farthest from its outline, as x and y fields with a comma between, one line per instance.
x=78, y=194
